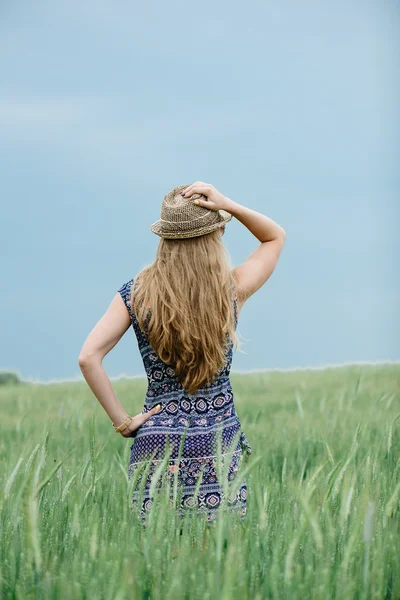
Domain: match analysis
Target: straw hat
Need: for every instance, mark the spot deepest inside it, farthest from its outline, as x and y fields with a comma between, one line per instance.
x=180, y=218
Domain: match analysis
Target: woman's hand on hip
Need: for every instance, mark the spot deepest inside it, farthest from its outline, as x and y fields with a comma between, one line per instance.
x=137, y=421
x=214, y=199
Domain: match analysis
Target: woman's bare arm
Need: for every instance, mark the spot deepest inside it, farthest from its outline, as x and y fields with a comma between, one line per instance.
x=104, y=336
x=260, y=264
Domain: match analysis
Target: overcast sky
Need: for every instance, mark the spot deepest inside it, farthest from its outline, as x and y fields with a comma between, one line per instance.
x=289, y=108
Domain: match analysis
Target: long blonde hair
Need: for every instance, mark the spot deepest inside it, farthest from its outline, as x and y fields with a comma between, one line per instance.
x=189, y=289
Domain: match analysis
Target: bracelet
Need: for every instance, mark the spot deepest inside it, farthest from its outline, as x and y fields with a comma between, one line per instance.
x=123, y=425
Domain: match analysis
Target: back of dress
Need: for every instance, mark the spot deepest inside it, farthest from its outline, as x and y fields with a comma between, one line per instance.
x=199, y=419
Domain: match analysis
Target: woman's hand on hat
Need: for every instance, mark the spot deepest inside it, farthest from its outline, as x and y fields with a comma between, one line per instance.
x=214, y=199
x=137, y=421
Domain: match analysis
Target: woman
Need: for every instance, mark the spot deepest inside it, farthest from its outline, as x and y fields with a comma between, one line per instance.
x=184, y=309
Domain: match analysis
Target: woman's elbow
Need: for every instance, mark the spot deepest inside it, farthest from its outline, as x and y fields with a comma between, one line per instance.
x=86, y=357
x=283, y=234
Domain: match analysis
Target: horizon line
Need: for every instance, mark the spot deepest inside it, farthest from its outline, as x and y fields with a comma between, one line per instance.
x=79, y=378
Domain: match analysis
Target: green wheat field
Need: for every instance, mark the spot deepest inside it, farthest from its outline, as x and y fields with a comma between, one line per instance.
x=323, y=505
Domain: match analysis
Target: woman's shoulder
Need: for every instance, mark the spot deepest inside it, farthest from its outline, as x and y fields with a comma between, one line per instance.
x=125, y=292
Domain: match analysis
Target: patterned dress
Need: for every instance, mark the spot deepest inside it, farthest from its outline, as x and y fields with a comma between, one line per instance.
x=197, y=417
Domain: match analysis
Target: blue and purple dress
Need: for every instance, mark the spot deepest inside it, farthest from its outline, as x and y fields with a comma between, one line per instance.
x=197, y=417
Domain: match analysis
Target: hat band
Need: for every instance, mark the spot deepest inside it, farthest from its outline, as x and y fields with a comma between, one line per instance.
x=190, y=221
x=210, y=217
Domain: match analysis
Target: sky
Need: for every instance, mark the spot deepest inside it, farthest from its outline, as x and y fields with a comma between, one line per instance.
x=288, y=108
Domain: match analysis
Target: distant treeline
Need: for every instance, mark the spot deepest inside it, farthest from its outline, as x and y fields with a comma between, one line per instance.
x=7, y=378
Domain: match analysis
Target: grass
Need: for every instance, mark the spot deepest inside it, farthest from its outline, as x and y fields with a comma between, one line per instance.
x=323, y=501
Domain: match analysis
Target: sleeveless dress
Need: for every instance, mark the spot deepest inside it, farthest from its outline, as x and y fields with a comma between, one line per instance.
x=197, y=417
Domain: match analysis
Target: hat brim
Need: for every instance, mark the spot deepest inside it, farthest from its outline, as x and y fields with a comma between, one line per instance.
x=156, y=228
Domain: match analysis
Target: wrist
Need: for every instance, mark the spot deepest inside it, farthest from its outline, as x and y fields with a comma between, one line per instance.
x=119, y=417
x=231, y=206
x=122, y=424
x=127, y=431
